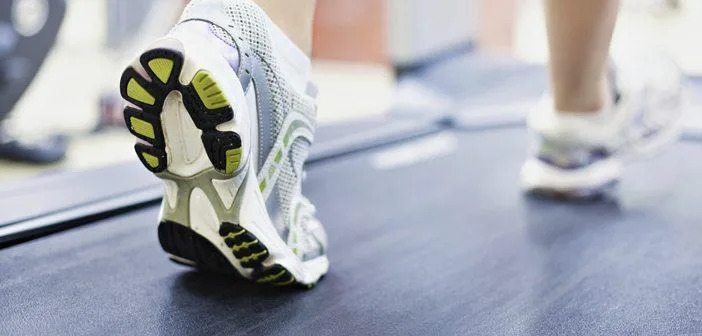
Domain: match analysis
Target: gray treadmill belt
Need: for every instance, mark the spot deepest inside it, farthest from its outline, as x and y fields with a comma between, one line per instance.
x=56, y=201
x=445, y=246
x=34, y=198
x=476, y=79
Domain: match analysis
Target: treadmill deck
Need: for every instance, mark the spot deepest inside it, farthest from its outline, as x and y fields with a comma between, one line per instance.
x=440, y=245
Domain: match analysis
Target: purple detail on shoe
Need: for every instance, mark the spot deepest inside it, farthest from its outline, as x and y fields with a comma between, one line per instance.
x=639, y=123
x=651, y=132
x=232, y=57
x=227, y=47
x=575, y=160
x=594, y=191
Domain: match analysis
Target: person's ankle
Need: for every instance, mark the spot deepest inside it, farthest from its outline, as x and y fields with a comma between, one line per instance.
x=579, y=105
x=584, y=102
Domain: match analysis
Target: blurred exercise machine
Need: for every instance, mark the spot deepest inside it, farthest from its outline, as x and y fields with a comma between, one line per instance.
x=421, y=32
x=28, y=30
x=131, y=26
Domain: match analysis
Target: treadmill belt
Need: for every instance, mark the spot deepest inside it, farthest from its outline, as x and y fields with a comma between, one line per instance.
x=53, y=202
x=421, y=244
x=476, y=79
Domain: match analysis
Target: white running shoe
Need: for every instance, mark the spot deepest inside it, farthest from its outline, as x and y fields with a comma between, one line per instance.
x=225, y=116
x=583, y=156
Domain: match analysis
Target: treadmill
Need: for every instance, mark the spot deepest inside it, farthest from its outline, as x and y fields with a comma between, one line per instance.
x=28, y=31
x=429, y=234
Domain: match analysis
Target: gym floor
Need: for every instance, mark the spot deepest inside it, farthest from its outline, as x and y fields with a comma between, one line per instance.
x=349, y=90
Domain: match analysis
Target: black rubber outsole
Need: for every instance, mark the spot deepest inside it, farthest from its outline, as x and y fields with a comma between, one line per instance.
x=149, y=106
x=182, y=242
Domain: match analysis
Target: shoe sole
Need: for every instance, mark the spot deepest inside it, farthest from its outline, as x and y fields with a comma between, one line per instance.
x=234, y=248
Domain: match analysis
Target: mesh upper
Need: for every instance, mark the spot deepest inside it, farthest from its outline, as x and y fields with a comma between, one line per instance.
x=222, y=35
x=250, y=26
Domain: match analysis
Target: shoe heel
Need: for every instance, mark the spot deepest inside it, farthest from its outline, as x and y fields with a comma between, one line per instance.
x=201, y=212
x=146, y=90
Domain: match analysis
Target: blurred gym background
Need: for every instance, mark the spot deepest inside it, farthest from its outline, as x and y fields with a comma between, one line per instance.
x=362, y=50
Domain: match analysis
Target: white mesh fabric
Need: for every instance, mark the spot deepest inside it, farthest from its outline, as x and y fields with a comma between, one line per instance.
x=222, y=35
x=285, y=188
x=251, y=26
x=310, y=244
x=252, y=23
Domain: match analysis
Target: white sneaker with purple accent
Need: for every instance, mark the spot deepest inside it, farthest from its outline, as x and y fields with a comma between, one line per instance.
x=581, y=155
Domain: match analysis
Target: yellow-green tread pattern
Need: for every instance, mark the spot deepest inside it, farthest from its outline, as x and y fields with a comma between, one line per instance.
x=253, y=257
x=162, y=68
x=142, y=127
x=250, y=253
x=150, y=159
x=233, y=158
x=137, y=92
x=286, y=283
x=235, y=234
x=244, y=245
x=209, y=91
x=273, y=277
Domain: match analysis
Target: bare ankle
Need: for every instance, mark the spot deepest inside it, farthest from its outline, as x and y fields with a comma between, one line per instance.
x=579, y=104
x=583, y=100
